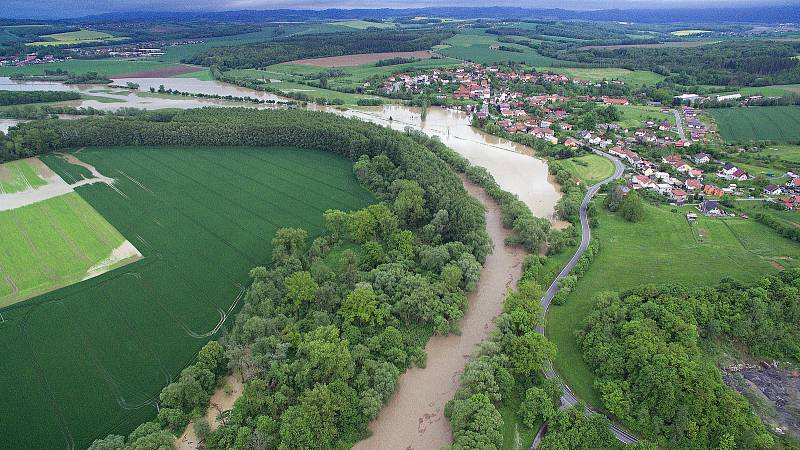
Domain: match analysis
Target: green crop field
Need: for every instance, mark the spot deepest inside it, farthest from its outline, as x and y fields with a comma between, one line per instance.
x=780, y=124
x=77, y=37
x=475, y=46
x=590, y=169
x=111, y=67
x=89, y=359
x=50, y=244
x=634, y=77
x=351, y=77
x=16, y=176
x=663, y=248
x=773, y=90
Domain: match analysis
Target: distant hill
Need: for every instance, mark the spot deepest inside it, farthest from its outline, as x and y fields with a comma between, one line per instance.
x=772, y=14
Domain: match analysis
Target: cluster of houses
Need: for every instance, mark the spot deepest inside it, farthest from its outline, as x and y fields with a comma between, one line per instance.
x=696, y=128
x=694, y=99
x=658, y=178
x=29, y=59
x=473, y=81
x=788, y=195
x=654, y=177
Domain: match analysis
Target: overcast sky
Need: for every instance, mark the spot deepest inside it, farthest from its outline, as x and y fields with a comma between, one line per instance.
x=73, y=8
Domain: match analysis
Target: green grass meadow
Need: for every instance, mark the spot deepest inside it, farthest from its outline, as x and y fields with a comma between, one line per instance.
x=634, y=77
x=590, y=169
x=663, y=248
x=89, y=359
x=780, y=124
x=633, y=116
x=788, y=153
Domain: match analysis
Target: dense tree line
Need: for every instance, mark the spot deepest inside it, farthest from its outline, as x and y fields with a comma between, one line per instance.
x=23, y=97
x=529, y=231
x=733, y=63
x=645, y=347
x=262, y=54
x=66, y=77
x=509, y=363
x=326, y=330
x=784, y=229
x=462, y=216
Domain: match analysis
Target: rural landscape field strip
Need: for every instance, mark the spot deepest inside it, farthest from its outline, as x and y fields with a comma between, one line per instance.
x=16, y=176
x=663, y=248
x=770, y=123
x=51, y=243
x=202, y=218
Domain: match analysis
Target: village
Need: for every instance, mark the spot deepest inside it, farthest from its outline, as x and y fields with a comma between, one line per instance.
x=499, y=106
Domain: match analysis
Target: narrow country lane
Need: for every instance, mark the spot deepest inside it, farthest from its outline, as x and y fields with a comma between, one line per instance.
x=679, y=124
x=414, y=418
x=569, y=399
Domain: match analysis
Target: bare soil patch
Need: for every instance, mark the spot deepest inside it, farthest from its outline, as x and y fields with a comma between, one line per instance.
x=679, y=44
x=162, y=73
x=220, y=402
x=124, y=254
x=362, y=58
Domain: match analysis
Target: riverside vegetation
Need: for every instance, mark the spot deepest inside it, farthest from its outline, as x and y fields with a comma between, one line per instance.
x=327, y=328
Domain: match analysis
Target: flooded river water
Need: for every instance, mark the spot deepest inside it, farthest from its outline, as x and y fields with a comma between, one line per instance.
x=414, y=416
x=510, y=163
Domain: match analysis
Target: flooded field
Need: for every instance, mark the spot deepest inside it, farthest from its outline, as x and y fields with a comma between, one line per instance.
x=510, y=163
x=414, y=416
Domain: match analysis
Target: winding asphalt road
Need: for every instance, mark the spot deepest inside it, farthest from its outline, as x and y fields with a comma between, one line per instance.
x=569, y=399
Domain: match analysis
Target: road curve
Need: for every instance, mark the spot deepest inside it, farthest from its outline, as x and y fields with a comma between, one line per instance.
x=569, y=399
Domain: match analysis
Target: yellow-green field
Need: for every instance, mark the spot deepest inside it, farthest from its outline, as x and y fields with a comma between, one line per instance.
x=362, y=24
x=17, y=176
x=77, y=37
x=688, y=32
x=52, y=243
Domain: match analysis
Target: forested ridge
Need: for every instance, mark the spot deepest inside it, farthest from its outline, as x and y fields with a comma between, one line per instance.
x=743, y=63
x=727, y=63
x=645, y=346
x=262, y=54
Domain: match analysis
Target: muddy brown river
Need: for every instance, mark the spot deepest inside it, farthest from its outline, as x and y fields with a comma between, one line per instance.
x=508, y=162
x=414, y=416
x=413, y=419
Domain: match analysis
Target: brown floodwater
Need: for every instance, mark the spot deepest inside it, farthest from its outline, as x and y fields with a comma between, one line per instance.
x=511, y=164
x=414, y=416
